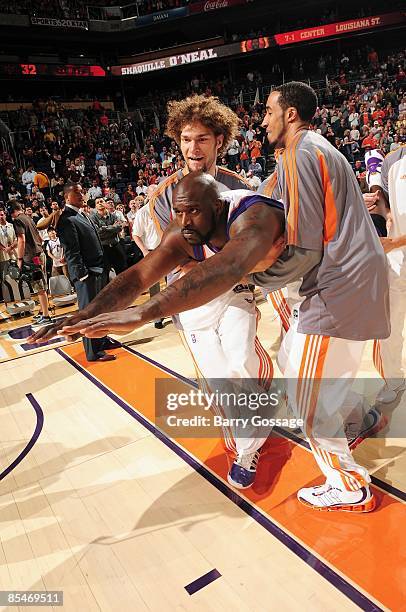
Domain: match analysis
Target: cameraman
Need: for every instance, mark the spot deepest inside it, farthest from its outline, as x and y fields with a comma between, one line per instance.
x=29, y=251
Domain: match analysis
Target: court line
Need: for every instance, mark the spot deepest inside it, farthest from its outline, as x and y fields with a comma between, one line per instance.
x=37, y=431
x=380, y=484
x=202, y=582
x=287, y=540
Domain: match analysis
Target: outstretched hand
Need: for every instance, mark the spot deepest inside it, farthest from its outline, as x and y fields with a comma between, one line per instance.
x=120, y=322
x=52, y=331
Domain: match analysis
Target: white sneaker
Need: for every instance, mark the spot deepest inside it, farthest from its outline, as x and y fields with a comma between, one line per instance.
x=326, y=497
x=387, y=396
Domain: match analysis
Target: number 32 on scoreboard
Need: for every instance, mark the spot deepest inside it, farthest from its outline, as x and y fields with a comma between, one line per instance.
x=27, y=69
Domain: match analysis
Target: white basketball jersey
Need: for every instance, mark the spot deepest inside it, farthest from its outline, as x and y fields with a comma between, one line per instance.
x=239, y=200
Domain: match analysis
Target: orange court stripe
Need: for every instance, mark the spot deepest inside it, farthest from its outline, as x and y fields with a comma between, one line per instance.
x=365, y=548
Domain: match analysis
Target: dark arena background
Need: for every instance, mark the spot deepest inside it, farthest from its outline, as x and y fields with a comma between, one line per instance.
x=102, y=507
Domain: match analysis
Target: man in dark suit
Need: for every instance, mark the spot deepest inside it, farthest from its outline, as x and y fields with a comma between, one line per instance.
x=84, y=256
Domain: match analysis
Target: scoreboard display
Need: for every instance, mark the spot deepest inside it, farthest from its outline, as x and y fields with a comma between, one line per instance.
x=54, y=70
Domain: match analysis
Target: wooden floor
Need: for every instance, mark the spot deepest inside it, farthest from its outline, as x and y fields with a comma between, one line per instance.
x=121, y=518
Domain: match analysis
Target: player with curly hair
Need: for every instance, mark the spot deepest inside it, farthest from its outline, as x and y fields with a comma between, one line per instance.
x=203, y=127
x=209, y=112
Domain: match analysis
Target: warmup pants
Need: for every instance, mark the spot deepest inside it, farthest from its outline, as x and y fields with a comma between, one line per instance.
x=319, y=372
x=229, y=358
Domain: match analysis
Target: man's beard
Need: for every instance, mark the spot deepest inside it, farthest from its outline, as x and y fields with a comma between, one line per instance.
x=197, y=237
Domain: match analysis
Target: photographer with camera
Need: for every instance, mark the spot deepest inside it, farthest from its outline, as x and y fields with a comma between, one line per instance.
x=31, y=257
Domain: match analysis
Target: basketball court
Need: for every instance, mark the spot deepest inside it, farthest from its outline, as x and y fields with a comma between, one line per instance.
x=98, y=503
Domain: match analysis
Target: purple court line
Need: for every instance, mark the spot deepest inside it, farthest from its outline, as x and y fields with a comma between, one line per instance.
x=203, y=581
x=187, y=381
x=19, y=333
x=31, y=347
x=381, y=484
x=34, y=437
x=298, y=549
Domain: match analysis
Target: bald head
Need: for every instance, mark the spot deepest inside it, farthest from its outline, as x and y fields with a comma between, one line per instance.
x=197, y=205
x=197, y=185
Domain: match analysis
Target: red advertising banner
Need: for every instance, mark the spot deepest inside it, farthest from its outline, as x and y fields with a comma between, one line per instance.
x=337, y=29
x=213, y=5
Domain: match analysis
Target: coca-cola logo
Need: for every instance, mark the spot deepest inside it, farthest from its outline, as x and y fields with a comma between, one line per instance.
x=212, y=5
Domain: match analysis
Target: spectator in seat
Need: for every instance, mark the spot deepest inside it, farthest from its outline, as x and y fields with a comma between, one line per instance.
x=28, y=178
x=109, y=229
x=233, y=154
x=113, y=195
x=41, y=181
x=253, y=180
x=369, y=141
x=95, y=190
x=255, y=167
x=56, y=253
x=129, y=195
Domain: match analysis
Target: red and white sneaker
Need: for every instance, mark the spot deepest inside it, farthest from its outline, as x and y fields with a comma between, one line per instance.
x=373, y=422
x=326, y=497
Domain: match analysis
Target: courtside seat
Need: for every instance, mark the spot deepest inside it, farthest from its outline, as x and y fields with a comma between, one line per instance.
x=60, y=290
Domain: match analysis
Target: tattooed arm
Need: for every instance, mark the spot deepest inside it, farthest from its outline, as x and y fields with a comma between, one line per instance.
x=127, y=286
x=252, y=238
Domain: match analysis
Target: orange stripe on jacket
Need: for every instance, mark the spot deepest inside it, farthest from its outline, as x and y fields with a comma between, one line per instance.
x=330, y=210
x=271, y=184
x=159, y=190
x=232, y=173
x=291, y=180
